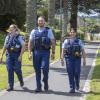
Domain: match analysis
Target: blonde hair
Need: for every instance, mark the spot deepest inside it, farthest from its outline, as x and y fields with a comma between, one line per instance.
x=15, y=27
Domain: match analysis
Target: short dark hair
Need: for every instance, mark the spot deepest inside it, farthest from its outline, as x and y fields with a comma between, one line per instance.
x=73, y=29
x=41, y=17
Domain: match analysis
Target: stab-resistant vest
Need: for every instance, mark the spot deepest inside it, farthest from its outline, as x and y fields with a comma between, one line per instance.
x=41, y=40
x=13, y=44
x=73, y=48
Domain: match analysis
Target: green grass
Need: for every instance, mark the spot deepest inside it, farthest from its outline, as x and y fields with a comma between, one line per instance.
x=27, y=69
x=57, y=51
x=95, y=83
x=2, y=38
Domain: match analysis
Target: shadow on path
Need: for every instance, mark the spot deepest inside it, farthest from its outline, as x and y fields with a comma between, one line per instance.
x=25, y=89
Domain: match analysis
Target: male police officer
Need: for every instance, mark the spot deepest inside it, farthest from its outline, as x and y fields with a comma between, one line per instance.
x=41, y=38
x=72, y=50
x=14, y=47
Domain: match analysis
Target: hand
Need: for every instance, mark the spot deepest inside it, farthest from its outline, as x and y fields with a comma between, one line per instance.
x=62, y=62
x=52, y=56
x=30, y=57
x=20, y=58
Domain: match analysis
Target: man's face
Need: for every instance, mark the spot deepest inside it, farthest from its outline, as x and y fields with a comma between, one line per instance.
x=41, y=22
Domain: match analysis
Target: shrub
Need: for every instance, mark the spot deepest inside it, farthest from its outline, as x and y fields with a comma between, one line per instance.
x=81, y=36
x=57, y=34
x=2, y=39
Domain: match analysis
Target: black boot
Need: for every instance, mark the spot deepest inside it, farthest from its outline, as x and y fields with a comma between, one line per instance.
x=21, y=83
x=37, y=90
x=72, y=91
x=9, y=89
x=46, y=85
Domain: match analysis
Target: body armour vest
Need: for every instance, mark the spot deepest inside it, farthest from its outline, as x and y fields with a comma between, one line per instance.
x=13, y=44
x=41, y=40
x=73, y=48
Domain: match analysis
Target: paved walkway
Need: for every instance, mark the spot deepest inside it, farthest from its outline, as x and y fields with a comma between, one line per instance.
x=58, y=82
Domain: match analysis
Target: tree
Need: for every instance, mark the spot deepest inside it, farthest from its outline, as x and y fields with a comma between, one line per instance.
x=65, y=20
x=42, y=8
x=31, y=15
x=51, y=12
x=74, y=10
x=86, y=5
x=83, y=6
x=12, y=11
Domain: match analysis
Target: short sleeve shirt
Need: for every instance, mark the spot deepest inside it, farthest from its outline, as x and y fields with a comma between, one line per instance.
x=50, y=33
x=20, y=38
x=66, y=41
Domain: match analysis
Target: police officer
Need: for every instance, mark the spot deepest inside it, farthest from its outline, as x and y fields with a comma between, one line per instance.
x=40, y=41
x=14, y=46
x=72, y=50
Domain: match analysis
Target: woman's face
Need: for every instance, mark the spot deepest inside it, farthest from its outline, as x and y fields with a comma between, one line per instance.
x=72, y=33
x=12, y=29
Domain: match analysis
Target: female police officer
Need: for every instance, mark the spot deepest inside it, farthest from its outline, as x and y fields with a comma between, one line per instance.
x=14, y=46
x=72, y=50
x=40, y=40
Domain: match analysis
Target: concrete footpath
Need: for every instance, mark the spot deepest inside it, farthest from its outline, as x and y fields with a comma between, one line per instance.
x=58, y=82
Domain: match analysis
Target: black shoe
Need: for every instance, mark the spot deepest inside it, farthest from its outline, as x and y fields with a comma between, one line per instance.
x=72, y=91
x=46, y=89
x=46, y=86
x=77, y=88
x=21, y=84
x=38, y=90
x=10, y=89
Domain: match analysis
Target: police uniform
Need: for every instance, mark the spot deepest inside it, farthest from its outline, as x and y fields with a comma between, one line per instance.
x=41, y=40
x=13, y=48
x=72, y=52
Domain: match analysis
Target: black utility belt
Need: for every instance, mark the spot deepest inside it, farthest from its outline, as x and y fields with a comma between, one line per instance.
x=77, y=57
x=13, y=49
x=74, y=55
x=41, y=49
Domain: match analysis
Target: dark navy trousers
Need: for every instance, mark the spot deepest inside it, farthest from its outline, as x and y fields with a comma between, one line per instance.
x=41, y=61
x=73, y=68
x=13, y=65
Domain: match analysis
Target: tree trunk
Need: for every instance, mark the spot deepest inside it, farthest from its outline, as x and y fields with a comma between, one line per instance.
x=74, y=9
x=64, y=29
x=51, y=12
x=31, y=15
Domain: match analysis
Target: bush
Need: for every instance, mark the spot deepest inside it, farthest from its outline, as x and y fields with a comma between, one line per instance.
x=81, y=36
x=57, y=34
x=2, y=39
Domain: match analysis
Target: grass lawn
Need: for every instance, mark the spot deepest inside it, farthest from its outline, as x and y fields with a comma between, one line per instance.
x=27, y=69
x=95, y=83
x=1, y=40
